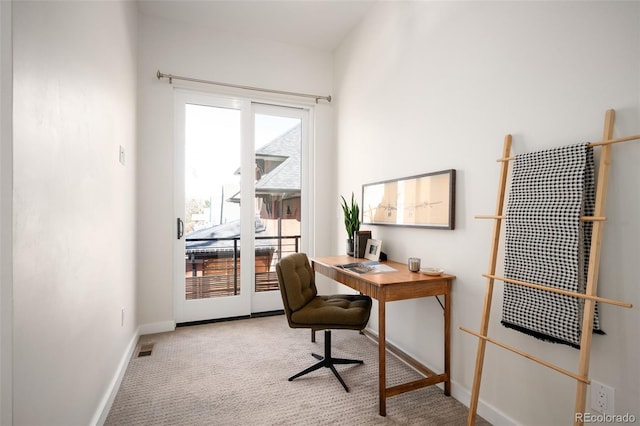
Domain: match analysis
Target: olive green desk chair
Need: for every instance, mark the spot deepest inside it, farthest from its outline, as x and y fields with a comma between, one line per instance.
x=304, y=308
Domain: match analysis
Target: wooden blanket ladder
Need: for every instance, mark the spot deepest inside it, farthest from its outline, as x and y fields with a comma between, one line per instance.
x=590, y=296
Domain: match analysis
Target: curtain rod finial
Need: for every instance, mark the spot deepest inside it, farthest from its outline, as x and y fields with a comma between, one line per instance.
x=169, y=76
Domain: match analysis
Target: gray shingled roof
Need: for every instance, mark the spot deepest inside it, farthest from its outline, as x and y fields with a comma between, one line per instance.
x=285, y=177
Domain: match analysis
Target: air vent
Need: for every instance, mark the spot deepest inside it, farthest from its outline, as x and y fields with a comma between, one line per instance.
x=145, y=349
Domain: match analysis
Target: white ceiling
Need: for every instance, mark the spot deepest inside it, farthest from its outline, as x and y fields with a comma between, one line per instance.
x=319, y=24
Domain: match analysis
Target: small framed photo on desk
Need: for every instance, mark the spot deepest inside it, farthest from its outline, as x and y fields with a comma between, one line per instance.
x=372, y=251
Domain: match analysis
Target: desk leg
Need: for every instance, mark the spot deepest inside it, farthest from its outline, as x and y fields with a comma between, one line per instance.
x=382, y=353
x=447, y=342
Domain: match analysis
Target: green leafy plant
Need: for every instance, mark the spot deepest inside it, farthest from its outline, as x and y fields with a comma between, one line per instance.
x=351, y=215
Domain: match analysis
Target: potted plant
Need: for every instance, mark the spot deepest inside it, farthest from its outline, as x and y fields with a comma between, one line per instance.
x=351, y=220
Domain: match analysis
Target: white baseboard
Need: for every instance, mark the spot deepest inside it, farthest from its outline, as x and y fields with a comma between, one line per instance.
x=156, y=327
x=486, y=411
x=104, y=407
x=102, y=411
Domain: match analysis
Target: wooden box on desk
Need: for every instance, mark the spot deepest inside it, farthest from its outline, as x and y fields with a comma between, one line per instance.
x=360, y=239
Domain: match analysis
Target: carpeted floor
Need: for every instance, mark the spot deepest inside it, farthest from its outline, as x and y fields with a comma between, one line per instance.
x=235, y=373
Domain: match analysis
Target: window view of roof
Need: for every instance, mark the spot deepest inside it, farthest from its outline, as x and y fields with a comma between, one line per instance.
x=212, y=247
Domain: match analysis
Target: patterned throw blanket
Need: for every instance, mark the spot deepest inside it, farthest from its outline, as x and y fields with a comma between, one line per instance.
x=547, y=243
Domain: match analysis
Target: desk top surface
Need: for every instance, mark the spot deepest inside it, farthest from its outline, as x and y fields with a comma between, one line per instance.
x=400, y=275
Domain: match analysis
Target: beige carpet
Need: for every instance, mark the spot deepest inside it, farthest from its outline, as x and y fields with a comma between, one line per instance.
x=235, y=373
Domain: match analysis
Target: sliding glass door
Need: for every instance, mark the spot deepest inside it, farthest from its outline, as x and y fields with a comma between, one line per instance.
x=229, y=150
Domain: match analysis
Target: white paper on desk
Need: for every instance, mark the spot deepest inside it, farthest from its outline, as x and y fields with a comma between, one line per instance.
x=375, y=267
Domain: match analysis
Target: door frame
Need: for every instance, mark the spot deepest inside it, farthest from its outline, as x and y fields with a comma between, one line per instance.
x=186, y=311
x=271, y=301
x=243, y=304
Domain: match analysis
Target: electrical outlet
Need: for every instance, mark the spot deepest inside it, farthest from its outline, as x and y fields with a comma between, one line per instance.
x=602, y=398
x=122, y=317
x=121, y=155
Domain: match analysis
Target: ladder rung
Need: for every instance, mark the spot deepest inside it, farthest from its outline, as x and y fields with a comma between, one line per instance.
x=610, y=141
x=528, y=356
x=560, y=291
x=591, y=144
x=582, y=218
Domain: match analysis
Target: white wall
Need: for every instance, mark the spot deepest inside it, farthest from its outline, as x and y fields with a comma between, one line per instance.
x=427, y=86
x=6, y=213
x=74, y=205
x=174, y=48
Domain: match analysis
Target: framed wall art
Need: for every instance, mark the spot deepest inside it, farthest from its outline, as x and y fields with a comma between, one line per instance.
x=424, y=201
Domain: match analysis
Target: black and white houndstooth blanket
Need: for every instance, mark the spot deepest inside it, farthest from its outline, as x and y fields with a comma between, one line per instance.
x=547, y=243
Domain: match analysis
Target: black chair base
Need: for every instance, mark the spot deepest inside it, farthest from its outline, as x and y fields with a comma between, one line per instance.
x=328, y=361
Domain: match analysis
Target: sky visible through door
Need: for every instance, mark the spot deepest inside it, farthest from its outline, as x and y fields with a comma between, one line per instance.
x=212, y=160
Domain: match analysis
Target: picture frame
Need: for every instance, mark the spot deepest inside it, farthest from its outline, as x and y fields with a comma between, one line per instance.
x=423, y=201
x=373, y=248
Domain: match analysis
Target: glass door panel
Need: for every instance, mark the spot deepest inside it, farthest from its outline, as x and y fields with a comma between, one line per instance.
x=212, y=208
x=278, y=193
x=208, y=158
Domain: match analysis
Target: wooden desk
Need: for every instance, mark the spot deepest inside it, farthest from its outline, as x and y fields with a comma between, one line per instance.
x=387, y=287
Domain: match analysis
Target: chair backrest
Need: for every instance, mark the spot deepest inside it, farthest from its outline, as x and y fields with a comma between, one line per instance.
x=297, y=282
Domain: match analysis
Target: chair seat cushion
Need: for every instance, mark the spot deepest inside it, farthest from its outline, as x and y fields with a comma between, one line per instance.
x=340, y=311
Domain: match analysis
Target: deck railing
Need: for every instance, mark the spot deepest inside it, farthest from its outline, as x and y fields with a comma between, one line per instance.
x=215, y=272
